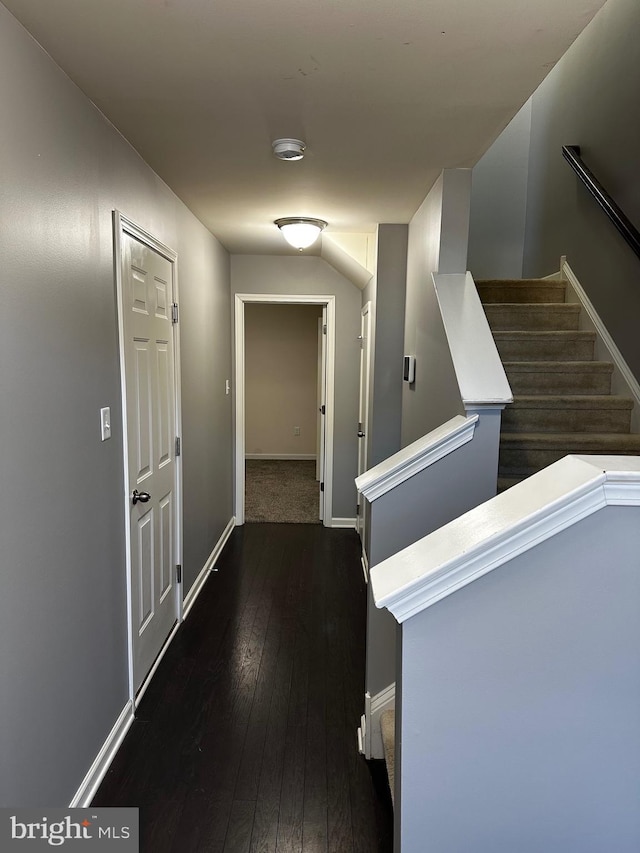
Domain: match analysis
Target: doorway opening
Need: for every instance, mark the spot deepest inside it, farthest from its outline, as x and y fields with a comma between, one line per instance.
x=284, y=407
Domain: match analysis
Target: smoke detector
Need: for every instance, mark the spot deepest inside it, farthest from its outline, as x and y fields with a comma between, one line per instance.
x=288, y=149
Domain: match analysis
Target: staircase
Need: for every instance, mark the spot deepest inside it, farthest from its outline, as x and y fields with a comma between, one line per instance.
x=562, y=396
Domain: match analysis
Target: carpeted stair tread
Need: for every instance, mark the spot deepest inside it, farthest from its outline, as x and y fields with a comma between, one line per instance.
x=568, y=413
x=388, y=728
x=522, y=454
x=571, y=345
x=559, y=366
x=521, y=290
x=559, y=377
x=532, y=316
x=578, y=442
x=505, y=483
x=573, y=401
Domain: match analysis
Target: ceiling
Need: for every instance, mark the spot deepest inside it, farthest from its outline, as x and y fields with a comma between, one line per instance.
x=386, y=93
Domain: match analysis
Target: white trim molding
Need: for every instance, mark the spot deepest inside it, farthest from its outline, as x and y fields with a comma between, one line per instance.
x=364, y=560
x=623, y=381
x=495, y=532
x=209, y=566
x=329, y=303
x=435, y=445
x=348, y=523
x=294, y=457
x=478, y=367
x=369, y=733
x=98, y=770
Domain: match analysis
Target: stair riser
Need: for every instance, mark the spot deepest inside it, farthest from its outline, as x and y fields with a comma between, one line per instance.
x=559, y=383
x=522, y=462
x=559, y=420
x=491, y=293
x=515, y=350
x=531, y=318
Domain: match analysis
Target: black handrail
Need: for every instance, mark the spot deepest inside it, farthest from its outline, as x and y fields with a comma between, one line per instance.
x=571, y=154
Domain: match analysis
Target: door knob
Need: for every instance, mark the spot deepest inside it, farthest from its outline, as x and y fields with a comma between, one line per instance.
x=360, y=434
x=143, y=497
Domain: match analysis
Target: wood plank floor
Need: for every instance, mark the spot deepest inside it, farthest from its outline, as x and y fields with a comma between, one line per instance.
x=246, y=737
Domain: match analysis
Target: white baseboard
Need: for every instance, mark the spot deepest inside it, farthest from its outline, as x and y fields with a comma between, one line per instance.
x=294, y=456
x=365, y=565
x=98, y=769
x=623, y=381
x=149, y=676
x=369, y=733
x=208, y=567
x=90, y=783
x=344, y=522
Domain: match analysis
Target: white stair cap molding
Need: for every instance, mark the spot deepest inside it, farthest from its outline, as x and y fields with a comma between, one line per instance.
x=415, y=457
x=496, y=531
x=479, y=371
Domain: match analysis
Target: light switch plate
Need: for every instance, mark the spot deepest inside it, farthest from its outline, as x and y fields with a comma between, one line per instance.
x=105, y=423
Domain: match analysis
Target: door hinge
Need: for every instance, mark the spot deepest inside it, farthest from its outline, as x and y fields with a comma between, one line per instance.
x=324, y=328
x=323, y=409
x=174, y=312
x=322, y=487
x=357, y=510
x=179, y=573
x=178, y=445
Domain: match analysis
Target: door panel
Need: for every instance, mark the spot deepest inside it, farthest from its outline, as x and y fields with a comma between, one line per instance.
x=147, y=295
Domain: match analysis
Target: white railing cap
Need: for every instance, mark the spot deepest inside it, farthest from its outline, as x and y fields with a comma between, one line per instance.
x=415, y=457
x=496, y=531
x=479, y=371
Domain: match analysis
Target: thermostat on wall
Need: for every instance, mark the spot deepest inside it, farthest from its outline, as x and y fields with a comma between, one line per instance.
x=409, y=368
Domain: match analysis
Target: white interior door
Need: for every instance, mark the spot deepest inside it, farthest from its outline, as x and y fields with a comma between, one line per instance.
x=147, y=298
x=363, y=404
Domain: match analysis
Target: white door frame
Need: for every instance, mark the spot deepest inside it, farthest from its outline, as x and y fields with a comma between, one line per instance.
x=122, y=225
x=363, y=401
x=283, y=299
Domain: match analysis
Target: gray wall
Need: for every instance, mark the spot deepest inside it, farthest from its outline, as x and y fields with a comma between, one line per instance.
x=588, y=99
x=438, y=235
x=63, y=621
x=435, y=496
x=310, y=275
x=520, y=697
x=205, y=342
x=385, y=419
x=499, y=203
x=591, y=99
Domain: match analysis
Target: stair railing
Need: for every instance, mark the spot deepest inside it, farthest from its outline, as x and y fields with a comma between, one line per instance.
x=627, y=229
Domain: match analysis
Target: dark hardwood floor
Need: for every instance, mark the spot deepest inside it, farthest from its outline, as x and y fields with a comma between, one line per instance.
x=246, y=737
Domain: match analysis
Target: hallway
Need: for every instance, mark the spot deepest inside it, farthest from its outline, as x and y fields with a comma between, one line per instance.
x=246, y=737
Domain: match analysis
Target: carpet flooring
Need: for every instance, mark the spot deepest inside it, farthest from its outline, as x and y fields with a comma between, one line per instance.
x=283, y=491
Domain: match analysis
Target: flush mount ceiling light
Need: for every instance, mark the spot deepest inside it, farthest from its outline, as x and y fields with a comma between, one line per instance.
x=300, y=231
x=288, y=149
